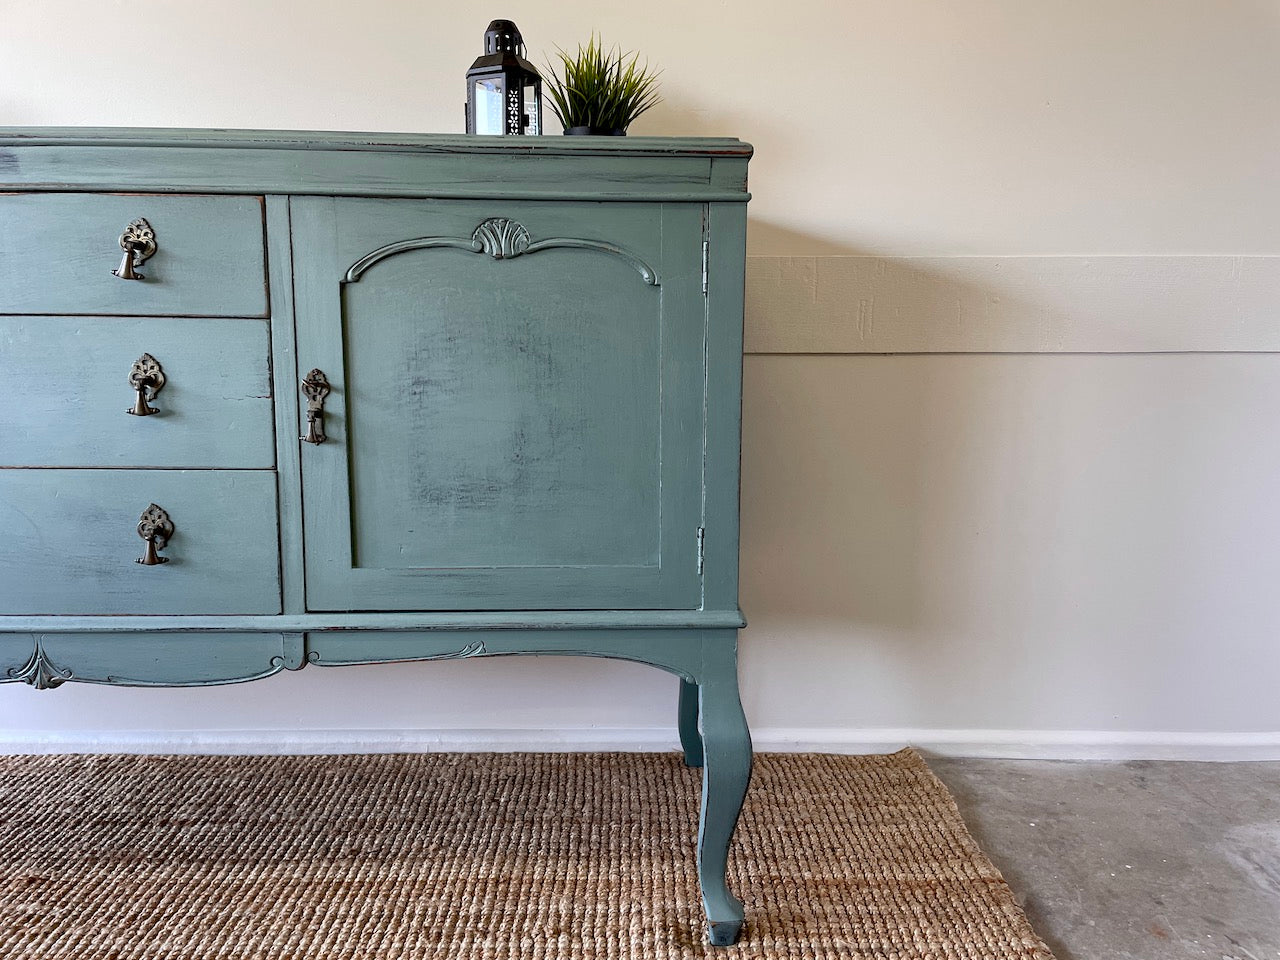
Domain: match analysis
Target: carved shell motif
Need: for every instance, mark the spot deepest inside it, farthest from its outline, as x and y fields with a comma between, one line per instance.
x=500, y=238
x=39, y=671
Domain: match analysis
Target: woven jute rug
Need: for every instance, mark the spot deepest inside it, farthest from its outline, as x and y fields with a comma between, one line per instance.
x=484, y=857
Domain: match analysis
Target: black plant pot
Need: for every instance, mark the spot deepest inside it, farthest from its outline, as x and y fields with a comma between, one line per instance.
x=593, y=132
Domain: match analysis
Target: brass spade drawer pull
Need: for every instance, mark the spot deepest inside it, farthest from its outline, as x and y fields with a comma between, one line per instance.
x=139, y=243
x=155, y=527
x=147, y=379
x=315, y=388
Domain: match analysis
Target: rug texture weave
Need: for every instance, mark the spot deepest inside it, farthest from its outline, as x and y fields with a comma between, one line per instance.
x=484, y=857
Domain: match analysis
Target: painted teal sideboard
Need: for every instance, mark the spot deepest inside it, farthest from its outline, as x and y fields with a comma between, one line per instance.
x=275, y=399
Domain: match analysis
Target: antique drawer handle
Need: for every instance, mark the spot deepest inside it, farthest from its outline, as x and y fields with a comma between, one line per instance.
x=147, y=379
x=315, y=388
x=155, y=527
x=138, y=242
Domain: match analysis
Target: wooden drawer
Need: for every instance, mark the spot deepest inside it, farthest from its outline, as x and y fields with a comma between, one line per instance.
x=71, y=540
x=58, y=251
x=70, y=391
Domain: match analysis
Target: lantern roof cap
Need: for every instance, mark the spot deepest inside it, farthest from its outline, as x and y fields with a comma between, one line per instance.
x=491, y=63
x=502, y=35
x=503, y=50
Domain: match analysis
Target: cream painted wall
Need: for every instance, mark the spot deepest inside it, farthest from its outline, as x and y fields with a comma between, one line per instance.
x=1035, y=553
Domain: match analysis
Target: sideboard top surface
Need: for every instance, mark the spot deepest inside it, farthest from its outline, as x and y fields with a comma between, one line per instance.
x=695, y=169
x=374, y=141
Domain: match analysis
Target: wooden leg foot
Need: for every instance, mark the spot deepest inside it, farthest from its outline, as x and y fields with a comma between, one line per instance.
x=725, y=933
x=726, y=744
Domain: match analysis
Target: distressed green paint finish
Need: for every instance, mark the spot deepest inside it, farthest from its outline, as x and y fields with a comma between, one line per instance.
x=679, y=622
x=287, y=408
x=71, y=542
x=726, y=279
x=57, y=252
x=533, y=429
x=378, y=142
x=522, y=432
x=687, y=720
x=679, y=652
x=142, y=659
x=214, y=408
x=726, y=771
x=631, y=169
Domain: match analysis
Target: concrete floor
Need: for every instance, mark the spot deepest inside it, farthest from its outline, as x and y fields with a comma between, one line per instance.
x=1133, y=861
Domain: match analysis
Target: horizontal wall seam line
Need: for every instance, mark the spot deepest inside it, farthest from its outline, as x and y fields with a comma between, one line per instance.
x=1004, y=353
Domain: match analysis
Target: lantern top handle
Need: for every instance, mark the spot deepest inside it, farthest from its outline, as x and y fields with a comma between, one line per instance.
x=503, y=36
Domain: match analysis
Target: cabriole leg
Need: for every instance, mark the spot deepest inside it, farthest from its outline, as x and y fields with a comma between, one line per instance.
x=690, y=738
x=726, y=745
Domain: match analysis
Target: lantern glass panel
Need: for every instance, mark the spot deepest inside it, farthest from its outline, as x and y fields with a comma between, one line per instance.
x=488, y=100
x=532, y=125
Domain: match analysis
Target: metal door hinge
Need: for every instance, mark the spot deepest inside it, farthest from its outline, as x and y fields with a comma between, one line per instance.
x=702, y=551
x=706, y=244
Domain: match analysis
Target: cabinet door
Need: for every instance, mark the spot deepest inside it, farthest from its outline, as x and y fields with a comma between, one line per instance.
x=516, y=415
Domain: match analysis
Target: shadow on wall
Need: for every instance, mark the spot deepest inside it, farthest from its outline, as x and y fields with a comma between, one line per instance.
x=834, y=460
x=959, y=535
x=678, y=116
x=805, y=476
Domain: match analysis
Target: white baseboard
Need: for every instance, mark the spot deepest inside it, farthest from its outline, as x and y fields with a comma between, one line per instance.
x=567, y=739
x=1029, y=744
x=1007, y=744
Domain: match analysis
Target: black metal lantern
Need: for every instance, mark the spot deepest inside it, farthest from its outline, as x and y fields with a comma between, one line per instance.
x=504, y=91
